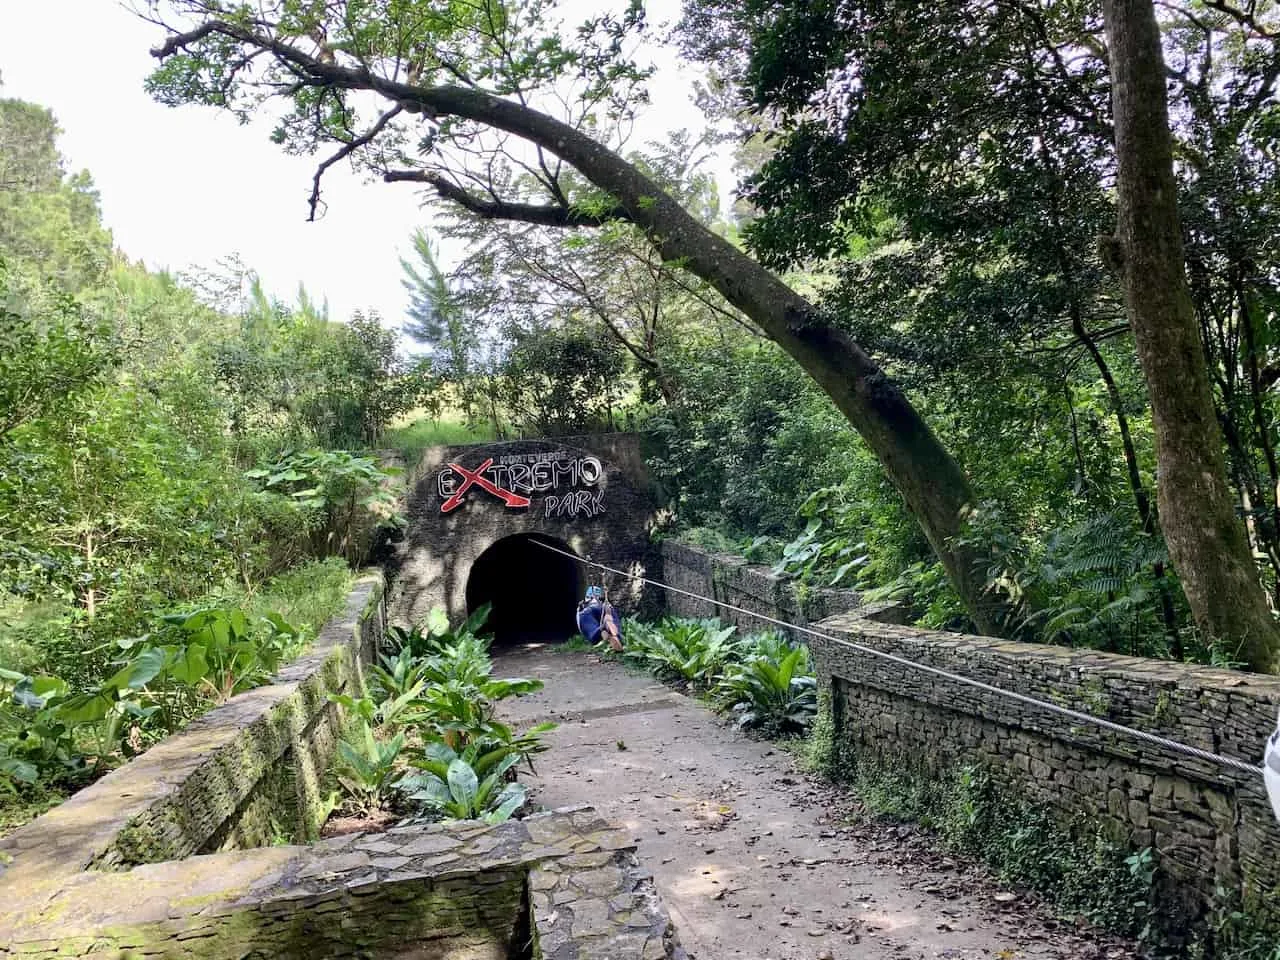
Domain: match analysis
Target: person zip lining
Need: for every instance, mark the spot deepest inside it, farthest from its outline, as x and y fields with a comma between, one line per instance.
x=598, y=619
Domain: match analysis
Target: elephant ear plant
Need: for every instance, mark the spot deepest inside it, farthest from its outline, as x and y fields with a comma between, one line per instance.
x=778, y=697
x=470, y=786
x=693, y=651
x=449, y=754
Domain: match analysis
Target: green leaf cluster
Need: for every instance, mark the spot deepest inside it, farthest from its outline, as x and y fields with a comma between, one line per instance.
x=764, y=680
x=427, y=738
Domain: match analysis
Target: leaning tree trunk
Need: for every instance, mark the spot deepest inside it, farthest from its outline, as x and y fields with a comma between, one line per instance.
x=934, y=487
x=936, y=490
x=1206, y=541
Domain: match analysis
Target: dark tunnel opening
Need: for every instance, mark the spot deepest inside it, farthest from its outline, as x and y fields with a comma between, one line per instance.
x=534, y=592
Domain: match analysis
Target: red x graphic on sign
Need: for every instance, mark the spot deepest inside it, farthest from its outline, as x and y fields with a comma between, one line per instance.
x=474, y=477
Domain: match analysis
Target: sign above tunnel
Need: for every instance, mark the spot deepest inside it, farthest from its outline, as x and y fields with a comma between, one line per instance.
x=569, y=483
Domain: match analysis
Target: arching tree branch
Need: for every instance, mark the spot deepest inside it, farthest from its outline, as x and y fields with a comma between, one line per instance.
x=932, y=483
x=543, y=215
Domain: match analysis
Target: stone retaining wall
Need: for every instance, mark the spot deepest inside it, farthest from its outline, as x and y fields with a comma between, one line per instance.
x=168, y=857
x=1210, y=826
x=240, y=775
x=730, y=579
x=561, y=886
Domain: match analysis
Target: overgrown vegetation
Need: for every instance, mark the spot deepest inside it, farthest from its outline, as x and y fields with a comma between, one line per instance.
x=764, y=681
x=178, y=458
x=58, y=734
x=425, y=741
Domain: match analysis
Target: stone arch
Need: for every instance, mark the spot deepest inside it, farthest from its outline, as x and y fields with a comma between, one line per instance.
x=533, y=592
x=590, y=494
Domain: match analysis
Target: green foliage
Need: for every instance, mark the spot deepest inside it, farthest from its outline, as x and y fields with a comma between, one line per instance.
x=217, y=651
x=776, y=694
x=1100, y=583
x=433, y=636
x=438, y=695
x=55, y=733
x=367, y=768
x=694, y=651
x=764, y=680
x=396, y=676
x=452, y=784
x=416, y=436
x=560, y=382
x=128, y=411
x=1234, y=933
x=193, y=660
x=307, y=596
x=50, y=347
x=437, y=318
x=294, y=378
x=343, y=497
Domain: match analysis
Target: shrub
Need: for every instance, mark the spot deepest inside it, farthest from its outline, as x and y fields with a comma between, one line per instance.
x=367, y=767
x=694, y=651
x=452, y=784
x=346, y=498
x=777, y=697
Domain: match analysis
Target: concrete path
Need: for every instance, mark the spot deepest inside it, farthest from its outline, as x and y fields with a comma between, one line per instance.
x=754, y=859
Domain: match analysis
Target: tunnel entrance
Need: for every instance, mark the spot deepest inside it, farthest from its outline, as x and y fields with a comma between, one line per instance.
x=534, y=592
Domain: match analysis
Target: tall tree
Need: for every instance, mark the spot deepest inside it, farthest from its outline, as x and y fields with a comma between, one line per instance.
x=982, y=132
x=1205, y=539
x=436, y=315
x=474, y=74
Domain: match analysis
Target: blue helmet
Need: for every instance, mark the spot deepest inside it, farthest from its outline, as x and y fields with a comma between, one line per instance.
x=595, y=593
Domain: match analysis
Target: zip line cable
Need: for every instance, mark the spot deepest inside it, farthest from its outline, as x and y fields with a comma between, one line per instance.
x=1184, y=748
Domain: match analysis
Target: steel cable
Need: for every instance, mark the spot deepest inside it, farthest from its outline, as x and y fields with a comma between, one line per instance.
x=1079, y=715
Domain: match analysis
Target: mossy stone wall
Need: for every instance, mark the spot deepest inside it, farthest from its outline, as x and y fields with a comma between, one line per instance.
x=559, y=886
x=727, y=579
x=244, y=774
x=1211, y=827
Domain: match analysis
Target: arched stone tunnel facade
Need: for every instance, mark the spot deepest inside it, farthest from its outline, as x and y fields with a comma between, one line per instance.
x=481, y=517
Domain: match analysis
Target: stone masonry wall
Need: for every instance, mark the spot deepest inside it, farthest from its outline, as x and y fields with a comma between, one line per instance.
x=167, y=856
x=559, y=886
x=236, y=777
x=731, y=579
x=1210, y=826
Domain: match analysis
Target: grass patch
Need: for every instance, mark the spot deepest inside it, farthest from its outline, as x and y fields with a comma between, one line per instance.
x=306, y=596
x=412, y=438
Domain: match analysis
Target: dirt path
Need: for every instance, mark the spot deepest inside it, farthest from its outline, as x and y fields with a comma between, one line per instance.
x=754, y=859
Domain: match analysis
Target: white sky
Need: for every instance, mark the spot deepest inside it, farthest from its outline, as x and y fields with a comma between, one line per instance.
x=186, y=186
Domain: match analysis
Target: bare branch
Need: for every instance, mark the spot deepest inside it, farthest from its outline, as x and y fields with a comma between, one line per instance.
x=543, y=215
x=349, y=148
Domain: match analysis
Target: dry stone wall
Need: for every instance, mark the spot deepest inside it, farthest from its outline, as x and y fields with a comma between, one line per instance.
x=732, y=580
x=1210, y=826
x=559, y=886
